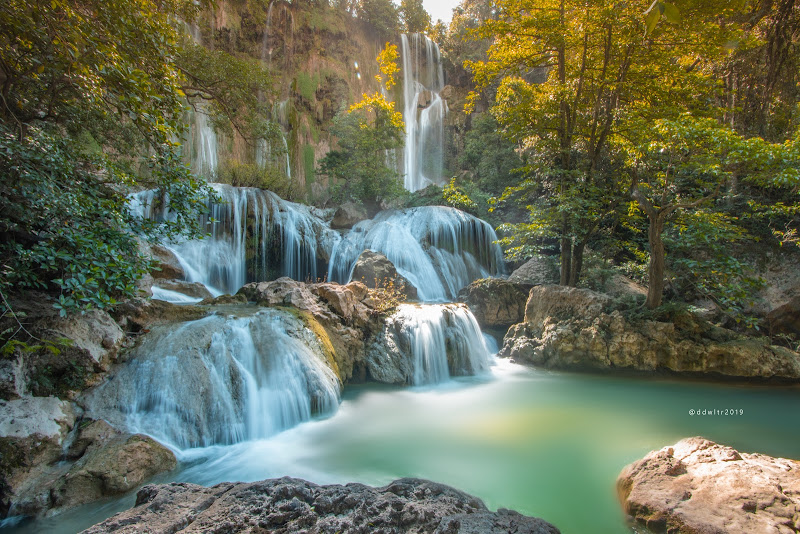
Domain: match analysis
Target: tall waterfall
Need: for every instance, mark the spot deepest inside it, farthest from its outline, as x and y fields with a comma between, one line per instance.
x=442, y=341
x=204, y=144
x=438, y=249
x=255, y=236
x=424, y=111
x=220, y=380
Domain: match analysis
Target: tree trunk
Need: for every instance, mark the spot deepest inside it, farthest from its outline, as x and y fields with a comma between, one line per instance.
x=566, y=260
x=655, y=270
x=576, y=263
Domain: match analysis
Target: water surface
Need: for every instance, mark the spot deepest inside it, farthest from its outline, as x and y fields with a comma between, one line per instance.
x=544, y=443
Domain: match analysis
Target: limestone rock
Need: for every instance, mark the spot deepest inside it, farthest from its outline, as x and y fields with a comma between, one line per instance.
x=496, y=303
x=698, y=486
x=374, y=268
x=568, y=328
x=293, y=505
x=785, y=319
x=343, y=315
x=168, y=266
x=32, y=431
x=536, y=271
x=137, y=315
x=622, y=286
x=111, y=463
x=562, y=302
x=348, y=214
x=190, y=289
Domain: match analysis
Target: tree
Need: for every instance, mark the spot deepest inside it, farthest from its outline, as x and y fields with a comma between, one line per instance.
x=361, y=168
x=382, y=15
x=572, y=76
x=93, y=102
x=682, y=164
x=415, y=18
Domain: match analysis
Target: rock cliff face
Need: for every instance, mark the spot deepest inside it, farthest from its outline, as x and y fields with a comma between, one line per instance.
x=292, y=505
x=497, y=304
x=698, y=486
x=568, y=328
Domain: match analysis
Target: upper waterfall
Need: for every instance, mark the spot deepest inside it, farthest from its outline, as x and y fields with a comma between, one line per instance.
x=424, y=111
x=254, y=236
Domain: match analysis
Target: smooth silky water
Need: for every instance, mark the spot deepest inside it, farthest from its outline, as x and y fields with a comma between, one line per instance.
x=547, y=444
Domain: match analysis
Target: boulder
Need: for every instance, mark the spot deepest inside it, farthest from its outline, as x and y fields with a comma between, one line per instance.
x=568, y=328
x=110, y=463
x=785, y=319
x=292, y=505
x=32, y=432
x=167, y=265
x=190, y=289
x=138, y=315
x=698, y=486
x=496, y=303
x=374, y=269
x=348, y=214
x=536, y=271
x=344, y=317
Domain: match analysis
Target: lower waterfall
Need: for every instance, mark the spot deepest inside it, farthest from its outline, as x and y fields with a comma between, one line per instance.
x=220, y=380
x=437, y=341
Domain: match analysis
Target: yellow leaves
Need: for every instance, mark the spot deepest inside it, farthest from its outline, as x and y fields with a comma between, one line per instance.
x=377, y=107
x=387, y=62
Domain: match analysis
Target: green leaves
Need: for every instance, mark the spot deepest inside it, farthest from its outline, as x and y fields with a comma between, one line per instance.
x=657, y=10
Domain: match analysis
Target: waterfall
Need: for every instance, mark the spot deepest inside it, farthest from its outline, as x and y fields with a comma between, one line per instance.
x=254, y=236
x=424, y=111
x=441, y=340
x=220, y=380
x=438, y=249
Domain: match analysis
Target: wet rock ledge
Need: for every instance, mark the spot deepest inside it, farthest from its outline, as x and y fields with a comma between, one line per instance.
x=292, y=505
x=700, y=487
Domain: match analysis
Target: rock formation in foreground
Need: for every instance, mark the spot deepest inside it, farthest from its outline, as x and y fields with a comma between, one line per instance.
x=698, y=486
x=293, y=505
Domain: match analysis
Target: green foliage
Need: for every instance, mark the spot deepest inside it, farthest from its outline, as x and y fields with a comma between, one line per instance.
x=415, y=18
x=93, y=101
x=456, y=197
x=382, y=15
x=358, y=169
x=68, y=229
x=307, y=85
x=703, y=265
x=491, y=157
x=369, y=133
x=237, y=90
x=262, y=177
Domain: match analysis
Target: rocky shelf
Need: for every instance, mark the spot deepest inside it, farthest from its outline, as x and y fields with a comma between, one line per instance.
x=287, y=505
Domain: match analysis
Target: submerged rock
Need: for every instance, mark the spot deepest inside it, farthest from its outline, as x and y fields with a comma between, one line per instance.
x=293, y=505
x=698, y=486
x=568, y=328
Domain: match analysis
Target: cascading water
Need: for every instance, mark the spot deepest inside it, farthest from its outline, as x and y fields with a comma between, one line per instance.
x=220, y=380
x=438, y=249
x=424, y=111
x=255, y=236
x=440, y=341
